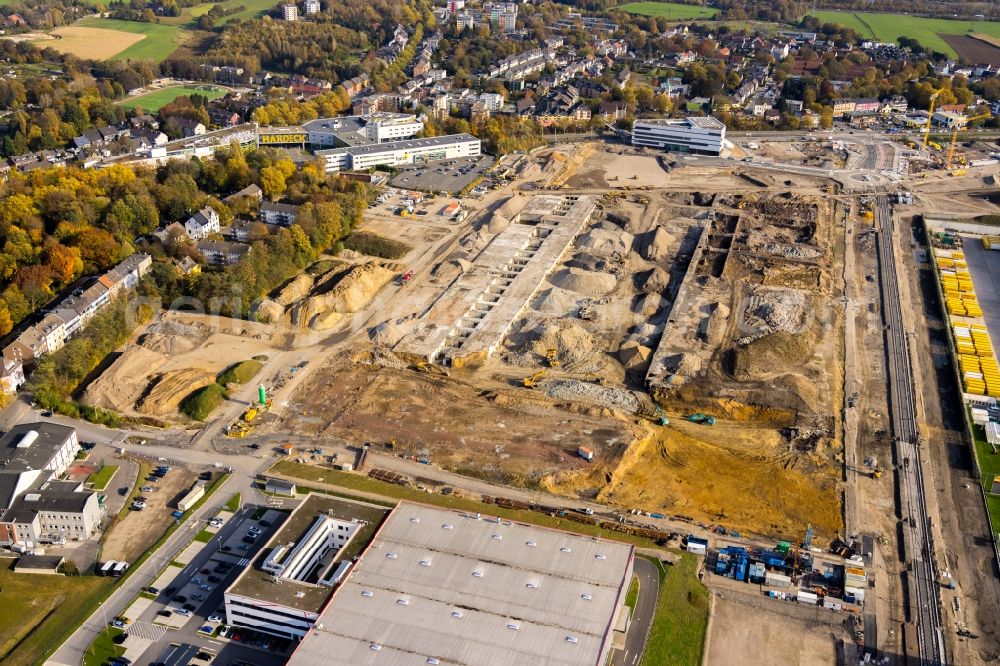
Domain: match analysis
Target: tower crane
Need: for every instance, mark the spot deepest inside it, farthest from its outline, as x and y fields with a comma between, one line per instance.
x=930, y=114
x=954, y=136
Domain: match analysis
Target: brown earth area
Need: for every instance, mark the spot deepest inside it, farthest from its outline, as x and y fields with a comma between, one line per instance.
x=132, y=534
x=978, y=49
x=92, y=43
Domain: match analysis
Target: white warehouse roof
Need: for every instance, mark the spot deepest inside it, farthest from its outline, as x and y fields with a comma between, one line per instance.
x=446, y=585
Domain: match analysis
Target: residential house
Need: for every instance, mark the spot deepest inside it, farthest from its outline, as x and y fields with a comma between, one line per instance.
x=190, y=127
x=202, y=223
x=222, y=253
x=312, y=7
x=614, y=110
x=272, y=212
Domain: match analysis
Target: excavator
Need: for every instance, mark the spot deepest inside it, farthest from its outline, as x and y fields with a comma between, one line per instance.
x=596, y=379
x=532, y=381
x=552, y=355
x=704, y=419
x=430, y=368
x=661, y=418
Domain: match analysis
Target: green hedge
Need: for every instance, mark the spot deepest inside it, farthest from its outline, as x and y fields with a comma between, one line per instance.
x=374, y=245
x=200, y=404
x=239, y=373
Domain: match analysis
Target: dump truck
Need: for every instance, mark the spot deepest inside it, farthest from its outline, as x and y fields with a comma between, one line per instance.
x=704, y=419
x=552, y=355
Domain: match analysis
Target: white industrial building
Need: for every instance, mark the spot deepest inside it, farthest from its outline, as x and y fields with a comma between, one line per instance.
x=701, y=135
x=35, y=506
x=446, y=587
x=361, y=130
x=284, y=590
x=398, y=153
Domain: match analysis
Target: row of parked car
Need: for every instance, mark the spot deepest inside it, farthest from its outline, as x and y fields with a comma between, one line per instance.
x=256, y=639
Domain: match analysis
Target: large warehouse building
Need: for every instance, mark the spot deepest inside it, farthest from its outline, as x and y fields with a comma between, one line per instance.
x=444, y=587
x=704, y=136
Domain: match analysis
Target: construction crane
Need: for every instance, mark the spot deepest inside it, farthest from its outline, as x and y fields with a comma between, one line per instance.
x=954, y=136
x=930, y=114
x=532, y=381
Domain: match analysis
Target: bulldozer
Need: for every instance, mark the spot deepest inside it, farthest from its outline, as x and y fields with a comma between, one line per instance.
x=532, y=381
x=552, y=355
x=430, y=368
x=704, y=419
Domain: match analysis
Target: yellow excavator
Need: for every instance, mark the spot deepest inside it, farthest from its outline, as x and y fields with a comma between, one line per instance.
x=431, y=368
x=532, y=381
x=552, y=355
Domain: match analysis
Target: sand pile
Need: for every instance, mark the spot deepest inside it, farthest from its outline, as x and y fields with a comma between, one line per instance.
x=656, y=282
x=632, y=354
x=167, y=344
x=658, y=245
x=512, y=206
x=606, y=243
x=118, y=386
x=586, y=261
x=352, y=293
x=555, y=301
x=267, y=310
x=298, y=288
x=388, y=333
x=474, y=242
x=166, y=392
x=771, y=355
x=650, y=305
x=584, y=282
x=451, y=268
x=497, y=224
x=716, y=327
x=539, y=334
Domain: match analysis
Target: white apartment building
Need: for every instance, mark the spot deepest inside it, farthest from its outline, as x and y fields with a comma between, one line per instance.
x=202, y=223
x=700, y=135
x=290, y=12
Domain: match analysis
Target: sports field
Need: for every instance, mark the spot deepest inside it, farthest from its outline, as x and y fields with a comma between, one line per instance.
x=154, y=101
x=669, y=10
x=927, y=31
x=157, y=40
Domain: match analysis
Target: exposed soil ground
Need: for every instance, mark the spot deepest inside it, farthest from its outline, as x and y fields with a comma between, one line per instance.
x=974, y=50
x=132, y=534
x=749, y=637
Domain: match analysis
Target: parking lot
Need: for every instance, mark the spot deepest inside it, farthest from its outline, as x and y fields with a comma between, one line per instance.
x=182, y=611
x=451, y=176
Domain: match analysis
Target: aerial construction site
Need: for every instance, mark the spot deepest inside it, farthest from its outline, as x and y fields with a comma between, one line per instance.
x=687, y=339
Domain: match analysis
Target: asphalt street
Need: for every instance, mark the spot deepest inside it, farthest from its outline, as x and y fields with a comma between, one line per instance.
x=642, y=616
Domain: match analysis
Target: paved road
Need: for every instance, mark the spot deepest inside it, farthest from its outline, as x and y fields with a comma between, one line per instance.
x=642, y=616
x=902, y=404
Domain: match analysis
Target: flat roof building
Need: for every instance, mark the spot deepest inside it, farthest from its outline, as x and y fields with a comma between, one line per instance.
x=441, y=586
x=397, y=153
x=286, y=586
x=695, y=134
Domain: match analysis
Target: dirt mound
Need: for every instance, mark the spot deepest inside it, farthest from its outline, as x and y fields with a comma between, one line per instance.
x=584, y=282
x=352, y=293
x=166, y=344
x=268, y=311
x=771, y=355
x=656, y=282
x=451, y=268
x=388, y=333
x=119, y=386
x=585, y=261
x=539, y=334
x=606, y=243
x=555, y=301
x=632, y=355
x=166, y=391
x=294, y=290
x=497, y=224
x=512, y=206
x=658, y=245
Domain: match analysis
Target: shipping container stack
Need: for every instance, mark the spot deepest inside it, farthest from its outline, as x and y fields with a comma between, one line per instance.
x=959, y=294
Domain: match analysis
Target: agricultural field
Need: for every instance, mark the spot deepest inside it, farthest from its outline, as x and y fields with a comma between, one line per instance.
x=91, y=43
x=927, y=31
x=153, y=101
x=156, y=41
x=669, y=10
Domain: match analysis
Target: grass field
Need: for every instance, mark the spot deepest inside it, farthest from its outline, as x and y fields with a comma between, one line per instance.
x=989, y=467
x=669, y=10
x=101, y=478
x=103, y=648
x=677, y=636
x=154, y=101
x=157, y=44
x=890, y=27
x=234, y=503
x=42, y=606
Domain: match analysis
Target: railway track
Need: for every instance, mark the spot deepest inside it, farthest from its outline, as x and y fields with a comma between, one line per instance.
x=925, y=609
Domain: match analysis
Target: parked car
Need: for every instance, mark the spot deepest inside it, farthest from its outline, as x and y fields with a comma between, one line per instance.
x=248, y=539
x=119, y=639
x=165, y=613
x=198, y=596
x=214, y=579
x=214, y=618
x=207, y=588
x=184, y=612
x=189, y=607
x=151, y=589
x=226, y=549
x=180, y=598
x=123, y=491
x=170, y=590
